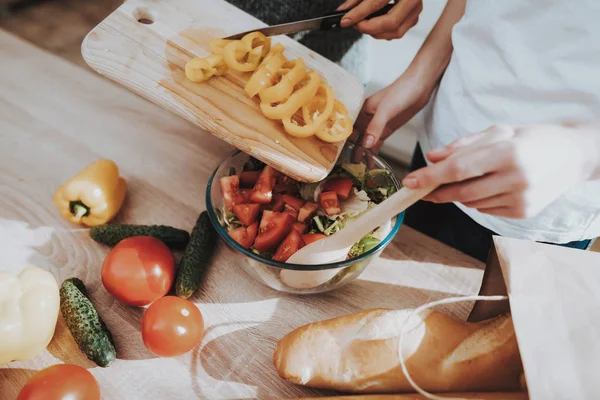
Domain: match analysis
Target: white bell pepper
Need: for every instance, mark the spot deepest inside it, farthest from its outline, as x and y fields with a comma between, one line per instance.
x=29, y=305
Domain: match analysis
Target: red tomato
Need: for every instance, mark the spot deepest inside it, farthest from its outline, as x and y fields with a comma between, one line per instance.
x=299, y=227
x=247, y=213
x=139, y=270
x=249, y=178
x=277, y=203
x=245, y=236
x=291, y=210
x=274, y=227
x=307, y=211
x=312, y=237
x=291, y=244
x=172, y=326
x=287, y=188
x=286, y=180
x=61, y=382
x=329, y=202
x=245, y=195
x=293, y=201
x=230, y=188
x=263, y=190
x=342, y=186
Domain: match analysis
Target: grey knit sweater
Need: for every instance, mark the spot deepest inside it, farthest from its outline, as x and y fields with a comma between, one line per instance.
x=345, y=47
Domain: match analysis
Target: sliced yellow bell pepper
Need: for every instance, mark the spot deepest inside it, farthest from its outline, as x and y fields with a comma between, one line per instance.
x=94, y=196
x=265, y=75
x=314, y=113
x=338, y=126
x=217, y=46
x=290, y=74
x=296, y=100
x=29, y=304
x=246, y=54
x=200, y=69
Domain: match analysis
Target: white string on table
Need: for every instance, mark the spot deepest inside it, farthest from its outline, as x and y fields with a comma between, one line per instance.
x=418, y=310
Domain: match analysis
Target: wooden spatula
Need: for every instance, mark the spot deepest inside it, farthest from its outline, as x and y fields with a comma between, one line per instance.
x=335, y=248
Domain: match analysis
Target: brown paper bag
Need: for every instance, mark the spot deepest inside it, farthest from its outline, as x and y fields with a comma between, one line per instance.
x=554, y=295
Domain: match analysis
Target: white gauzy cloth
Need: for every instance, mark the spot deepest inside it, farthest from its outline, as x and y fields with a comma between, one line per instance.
x=521, y=62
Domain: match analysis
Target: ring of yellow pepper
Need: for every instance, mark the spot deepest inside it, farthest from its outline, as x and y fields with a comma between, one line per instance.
x=303, y=102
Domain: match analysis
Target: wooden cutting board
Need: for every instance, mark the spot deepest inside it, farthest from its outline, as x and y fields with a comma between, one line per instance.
x=145, y=44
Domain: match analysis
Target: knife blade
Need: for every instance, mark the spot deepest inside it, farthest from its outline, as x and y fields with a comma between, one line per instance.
x=324, y=23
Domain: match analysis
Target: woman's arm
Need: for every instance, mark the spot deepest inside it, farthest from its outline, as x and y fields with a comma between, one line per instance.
x=518, y=172
x=387, y=110
x=432, y=59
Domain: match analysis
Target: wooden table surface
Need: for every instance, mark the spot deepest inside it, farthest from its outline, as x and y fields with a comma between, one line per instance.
x=55, y=118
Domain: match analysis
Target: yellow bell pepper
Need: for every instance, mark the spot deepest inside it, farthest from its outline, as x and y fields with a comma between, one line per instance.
x=289, y=75
x=29, y=305
x=338, y=126
x=253, y=48
x=217, y=46
x=314, y=113
x=200, y=69
x=297, y=99
x=94, y=196
x=266, y=73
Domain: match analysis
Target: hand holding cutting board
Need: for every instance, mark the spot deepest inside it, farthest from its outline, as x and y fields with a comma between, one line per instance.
x=145, y=45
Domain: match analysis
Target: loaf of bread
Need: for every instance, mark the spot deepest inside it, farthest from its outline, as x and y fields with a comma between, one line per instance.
x=358, y=353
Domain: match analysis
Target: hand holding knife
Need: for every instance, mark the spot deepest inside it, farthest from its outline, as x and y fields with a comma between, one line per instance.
x=326, y=22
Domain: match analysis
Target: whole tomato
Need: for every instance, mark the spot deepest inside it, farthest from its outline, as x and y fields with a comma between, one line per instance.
x=172, y=326
x=139, y=270
x=61, y=382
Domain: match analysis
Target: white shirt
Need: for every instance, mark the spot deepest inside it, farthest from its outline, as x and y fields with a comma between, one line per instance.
x=520, y=62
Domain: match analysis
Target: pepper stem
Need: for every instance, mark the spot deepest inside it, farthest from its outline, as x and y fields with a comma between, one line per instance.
x=78, y=209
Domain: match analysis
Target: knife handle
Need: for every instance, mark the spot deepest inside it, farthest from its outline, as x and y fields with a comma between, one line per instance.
x=332, y=21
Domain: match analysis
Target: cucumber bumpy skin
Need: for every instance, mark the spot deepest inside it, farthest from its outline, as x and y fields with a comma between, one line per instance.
x=89, y=331
x=110, y=235
x=196, y=257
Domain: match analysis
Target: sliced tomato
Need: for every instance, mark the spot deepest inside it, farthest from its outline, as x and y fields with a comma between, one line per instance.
x=293, y=201
x=329, y=202
x=285, y=185
x=245, y=236
x=312, y=237
x=307, y=211
x=342, y=186
x=291, y=244
x=370, y=182
x=277, y=203
x=230, y=188
x=245, y=193
x=247, y=213
x=286, y=188
x=249, y=178
x=281, y=178
x=299, y=227
x=274, y=227
x=291, y=210
x=263, y=189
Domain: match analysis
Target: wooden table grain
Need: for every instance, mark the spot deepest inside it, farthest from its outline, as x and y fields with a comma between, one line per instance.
x=55, y=118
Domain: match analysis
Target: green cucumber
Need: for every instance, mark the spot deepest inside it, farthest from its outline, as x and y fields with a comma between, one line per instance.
x=110, y=235
x=89, y=331
x=195, y=259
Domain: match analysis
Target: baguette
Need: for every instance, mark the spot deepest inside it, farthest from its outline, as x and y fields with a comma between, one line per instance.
x=465, y=396
x=358, y=353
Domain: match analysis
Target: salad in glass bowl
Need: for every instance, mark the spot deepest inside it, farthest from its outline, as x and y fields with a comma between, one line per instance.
x=268, y=216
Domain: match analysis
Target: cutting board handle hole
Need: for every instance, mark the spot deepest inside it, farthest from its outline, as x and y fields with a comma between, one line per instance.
x=144, y=16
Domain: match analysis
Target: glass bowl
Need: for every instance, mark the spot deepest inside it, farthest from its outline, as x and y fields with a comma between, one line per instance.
x=294, y=278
